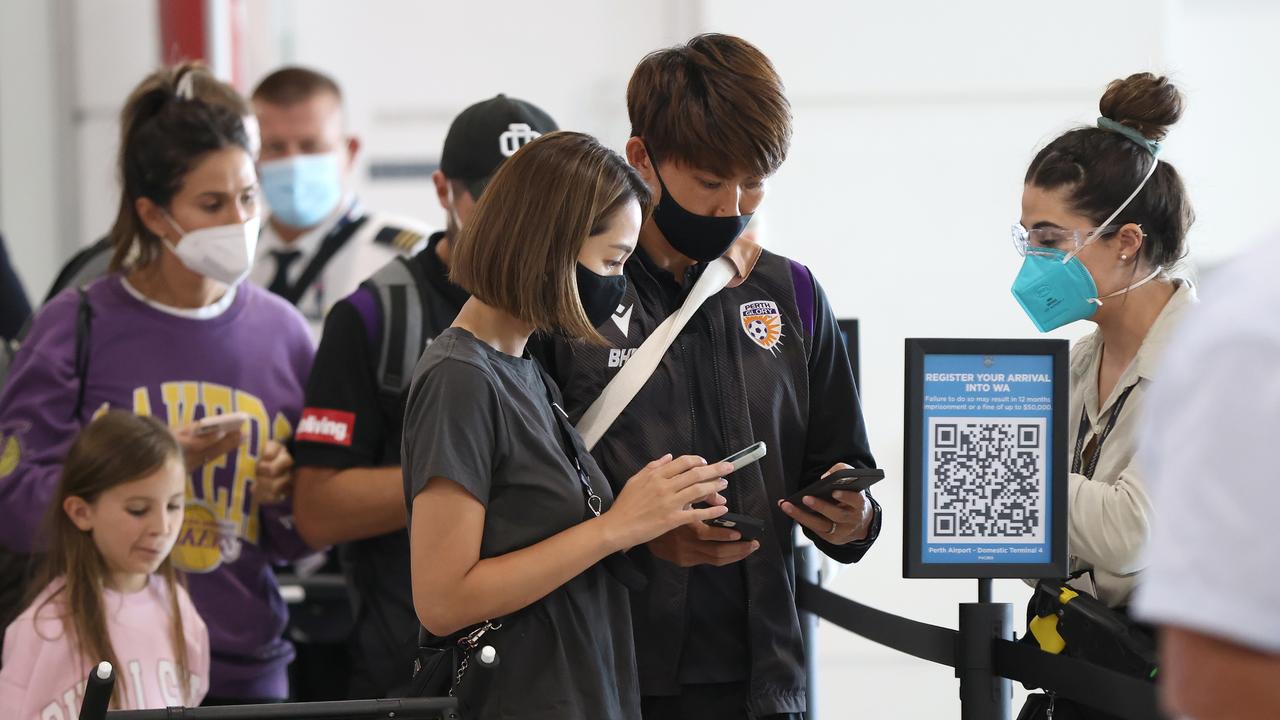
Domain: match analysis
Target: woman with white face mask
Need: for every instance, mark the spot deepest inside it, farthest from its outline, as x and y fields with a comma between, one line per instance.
x=1104, y=224
x=172, y=332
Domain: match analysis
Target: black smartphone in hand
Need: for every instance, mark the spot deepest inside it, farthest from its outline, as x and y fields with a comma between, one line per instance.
x=750, y=527
x=847, y=479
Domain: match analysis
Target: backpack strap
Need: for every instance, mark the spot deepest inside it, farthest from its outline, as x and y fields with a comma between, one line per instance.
x=803, y=281
x=398, y=288
x=84, y=323
x=615, y=396
x=332, y=243
x=84, y=267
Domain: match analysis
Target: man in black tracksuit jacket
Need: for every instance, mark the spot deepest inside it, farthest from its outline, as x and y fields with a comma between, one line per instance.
x=717, y=634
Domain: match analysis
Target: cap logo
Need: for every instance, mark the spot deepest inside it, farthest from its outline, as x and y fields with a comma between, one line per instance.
x=516, y=136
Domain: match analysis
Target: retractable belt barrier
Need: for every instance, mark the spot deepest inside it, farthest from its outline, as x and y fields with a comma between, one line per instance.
x=405, y=709
x=1069, y=678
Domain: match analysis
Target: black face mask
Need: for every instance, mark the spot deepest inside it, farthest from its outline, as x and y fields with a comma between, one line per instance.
x=600, y=294
x=700, y=237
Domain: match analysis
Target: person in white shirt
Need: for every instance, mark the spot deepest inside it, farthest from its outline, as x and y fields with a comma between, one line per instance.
x=1208, y=447
x=319, y=243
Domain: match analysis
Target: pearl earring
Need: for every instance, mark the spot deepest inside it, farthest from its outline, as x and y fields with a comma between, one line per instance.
x=1124, y=257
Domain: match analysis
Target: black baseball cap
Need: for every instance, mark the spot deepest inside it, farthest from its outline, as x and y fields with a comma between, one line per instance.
x=486, y=134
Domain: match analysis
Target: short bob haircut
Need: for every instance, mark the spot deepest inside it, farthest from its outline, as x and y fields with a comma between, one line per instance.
x=715, y=103
x=519, y=250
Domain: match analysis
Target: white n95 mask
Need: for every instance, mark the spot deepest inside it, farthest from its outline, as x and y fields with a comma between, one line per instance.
x=223, y=253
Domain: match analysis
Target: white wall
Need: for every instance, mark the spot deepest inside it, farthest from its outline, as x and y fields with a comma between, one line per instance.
x=116, y=43
x=33, y=130
x=914, y=122
x=408, y=68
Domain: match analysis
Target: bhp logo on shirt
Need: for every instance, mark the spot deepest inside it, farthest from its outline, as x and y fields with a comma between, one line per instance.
x=619, y=356
x=321, y=425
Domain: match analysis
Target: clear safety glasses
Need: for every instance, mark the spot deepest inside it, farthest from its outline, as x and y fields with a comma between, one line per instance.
x=1049, y=241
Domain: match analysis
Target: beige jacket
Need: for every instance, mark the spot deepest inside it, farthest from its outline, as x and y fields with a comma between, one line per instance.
x=1109, y=517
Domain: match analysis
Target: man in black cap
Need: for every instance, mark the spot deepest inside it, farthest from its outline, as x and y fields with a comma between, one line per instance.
x=349, y=487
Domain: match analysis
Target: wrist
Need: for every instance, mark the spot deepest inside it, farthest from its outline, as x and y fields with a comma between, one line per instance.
x=608, y=534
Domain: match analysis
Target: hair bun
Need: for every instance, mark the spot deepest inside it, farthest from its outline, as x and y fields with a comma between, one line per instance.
x=1144, y=102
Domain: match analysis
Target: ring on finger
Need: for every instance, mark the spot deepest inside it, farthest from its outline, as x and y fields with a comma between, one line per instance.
x=832, y=531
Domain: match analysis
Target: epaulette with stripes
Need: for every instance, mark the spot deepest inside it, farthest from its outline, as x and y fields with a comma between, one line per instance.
x=402, y=240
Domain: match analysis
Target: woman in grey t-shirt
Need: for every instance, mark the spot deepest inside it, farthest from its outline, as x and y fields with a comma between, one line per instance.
x=511, y=520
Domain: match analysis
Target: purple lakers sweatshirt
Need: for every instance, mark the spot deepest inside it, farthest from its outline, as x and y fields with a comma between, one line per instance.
x=253, y=357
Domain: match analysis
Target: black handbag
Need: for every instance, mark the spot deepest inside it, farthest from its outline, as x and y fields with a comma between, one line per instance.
x=440, y=663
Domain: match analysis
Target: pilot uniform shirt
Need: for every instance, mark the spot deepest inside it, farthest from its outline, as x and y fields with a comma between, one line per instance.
x=373, y=243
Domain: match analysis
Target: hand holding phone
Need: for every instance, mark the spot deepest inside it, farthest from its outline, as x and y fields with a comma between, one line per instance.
x=747, y=455
x=848, y=480
x=750, y=528
x=226, y=422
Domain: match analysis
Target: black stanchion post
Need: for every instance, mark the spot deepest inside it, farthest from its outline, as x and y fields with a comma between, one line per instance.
x=807, y=564
x=983, y=694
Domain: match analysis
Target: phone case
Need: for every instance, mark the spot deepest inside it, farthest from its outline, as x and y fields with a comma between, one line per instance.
x=750, y=527
x=850, y=479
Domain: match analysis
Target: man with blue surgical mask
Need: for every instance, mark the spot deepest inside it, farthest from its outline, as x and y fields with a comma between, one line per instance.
x=318, y=243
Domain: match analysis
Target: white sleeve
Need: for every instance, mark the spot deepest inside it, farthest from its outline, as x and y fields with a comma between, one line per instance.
x=1211, y=442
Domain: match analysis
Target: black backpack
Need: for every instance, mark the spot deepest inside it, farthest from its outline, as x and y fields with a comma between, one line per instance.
x=400, y=287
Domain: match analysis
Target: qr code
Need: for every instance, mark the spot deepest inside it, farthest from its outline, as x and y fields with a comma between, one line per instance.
x=986, y=480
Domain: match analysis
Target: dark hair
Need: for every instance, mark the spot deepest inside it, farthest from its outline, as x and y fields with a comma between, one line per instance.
x=162, y=137
x=116, y=448
x=293, y=84
x=714, y=103
x=519, y=251
x=1100, y=168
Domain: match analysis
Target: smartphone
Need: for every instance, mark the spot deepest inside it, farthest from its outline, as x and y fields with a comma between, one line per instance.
x=750, y=527
x=226, y=422
x=849, y=479
x=746, y=456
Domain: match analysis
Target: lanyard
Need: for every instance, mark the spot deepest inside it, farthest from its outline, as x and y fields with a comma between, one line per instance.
x=617, y=564
x=595, y=504
x=1078, y=458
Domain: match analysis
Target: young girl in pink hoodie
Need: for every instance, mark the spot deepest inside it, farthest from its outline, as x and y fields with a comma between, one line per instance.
x=107, y=590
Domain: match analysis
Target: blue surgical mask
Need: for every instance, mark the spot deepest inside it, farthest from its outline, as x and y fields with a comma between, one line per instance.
x=303, y=189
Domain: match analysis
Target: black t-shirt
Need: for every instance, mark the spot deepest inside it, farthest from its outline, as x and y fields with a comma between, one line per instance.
x=483, y=419
x=358, y=426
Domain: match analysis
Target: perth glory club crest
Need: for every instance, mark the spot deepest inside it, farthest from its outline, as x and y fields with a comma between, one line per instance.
x=762, y=322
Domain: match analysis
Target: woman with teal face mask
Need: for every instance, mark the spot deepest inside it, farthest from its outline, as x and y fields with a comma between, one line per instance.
x=1103, y=227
